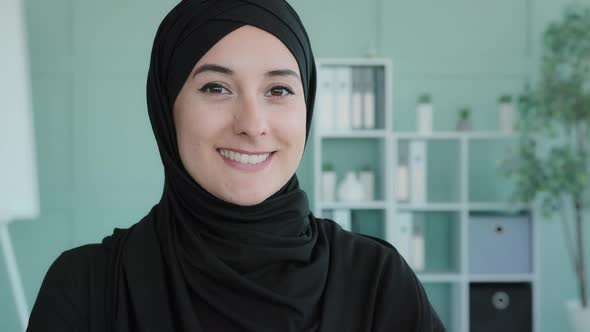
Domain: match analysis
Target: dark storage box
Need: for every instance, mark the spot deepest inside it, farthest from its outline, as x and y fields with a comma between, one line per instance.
x=500, y=307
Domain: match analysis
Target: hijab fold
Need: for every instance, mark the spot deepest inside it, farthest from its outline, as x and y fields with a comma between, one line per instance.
x=210, y=265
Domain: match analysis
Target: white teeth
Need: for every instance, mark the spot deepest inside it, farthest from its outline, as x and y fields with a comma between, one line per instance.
x=244, y=158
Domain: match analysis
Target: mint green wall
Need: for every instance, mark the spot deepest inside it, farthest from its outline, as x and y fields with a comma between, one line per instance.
x=98, y=163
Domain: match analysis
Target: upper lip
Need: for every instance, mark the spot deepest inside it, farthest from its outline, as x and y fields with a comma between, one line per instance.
x=246, y=152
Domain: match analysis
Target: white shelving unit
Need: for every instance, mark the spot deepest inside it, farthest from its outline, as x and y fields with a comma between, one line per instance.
x=455, y=281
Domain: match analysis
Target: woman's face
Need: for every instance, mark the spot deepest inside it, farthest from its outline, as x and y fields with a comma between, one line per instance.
x=240, y=117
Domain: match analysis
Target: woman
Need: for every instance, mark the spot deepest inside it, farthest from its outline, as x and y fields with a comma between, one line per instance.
x=232, y=245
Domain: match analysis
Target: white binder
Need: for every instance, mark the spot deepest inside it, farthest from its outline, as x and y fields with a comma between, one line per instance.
x=369, y=99
x=343, y=98
x=357, y=99
x=326, y=95
x=400, y=234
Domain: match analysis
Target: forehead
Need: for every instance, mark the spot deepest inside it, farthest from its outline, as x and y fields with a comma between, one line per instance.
x=249, y=48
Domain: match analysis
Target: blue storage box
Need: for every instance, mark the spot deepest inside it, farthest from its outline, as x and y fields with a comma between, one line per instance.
x=500, y=244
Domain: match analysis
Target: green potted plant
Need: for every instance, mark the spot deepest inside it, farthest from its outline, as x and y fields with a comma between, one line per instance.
x=424, y=111
x=551, y=164
x=464, y=123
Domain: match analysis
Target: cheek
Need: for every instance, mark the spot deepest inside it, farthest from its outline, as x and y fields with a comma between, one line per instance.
x=291, y=129
x=197, y=130
x=199, y=121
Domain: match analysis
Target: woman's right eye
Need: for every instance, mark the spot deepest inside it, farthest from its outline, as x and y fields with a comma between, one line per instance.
x=214, y=88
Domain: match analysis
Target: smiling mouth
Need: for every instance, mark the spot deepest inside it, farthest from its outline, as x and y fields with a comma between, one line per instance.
x=244, y=158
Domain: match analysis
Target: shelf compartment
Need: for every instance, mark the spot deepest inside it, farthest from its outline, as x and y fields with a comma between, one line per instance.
x=428, y=171
x=429, y=241
x=353, y=155
x=351, y=97
x=445, y=298
x=486, y=183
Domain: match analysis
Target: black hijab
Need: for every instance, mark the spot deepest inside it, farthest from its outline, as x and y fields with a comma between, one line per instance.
x=196, y=262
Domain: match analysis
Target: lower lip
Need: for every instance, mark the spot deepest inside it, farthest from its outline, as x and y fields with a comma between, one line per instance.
x=247, y=167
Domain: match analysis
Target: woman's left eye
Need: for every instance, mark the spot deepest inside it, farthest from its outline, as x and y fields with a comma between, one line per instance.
x=280, y=91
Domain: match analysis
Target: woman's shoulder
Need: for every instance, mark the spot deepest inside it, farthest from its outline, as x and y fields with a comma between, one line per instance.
x=73, y=268
x=73, y=285
x=78, y=256
x=62, y=300
x=87, y=256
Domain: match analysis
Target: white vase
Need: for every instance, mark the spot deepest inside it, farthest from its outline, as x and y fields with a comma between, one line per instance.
x=328, y=186
x=578, y=317
x=351, y=189
x=424, y=117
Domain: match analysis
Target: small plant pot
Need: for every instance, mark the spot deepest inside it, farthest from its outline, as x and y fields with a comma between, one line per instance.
x=464, y=122
x=464, y=125
x=424, y=117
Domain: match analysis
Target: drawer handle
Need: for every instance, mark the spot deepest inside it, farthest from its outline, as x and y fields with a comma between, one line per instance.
x=499, y=229
x=500, y=300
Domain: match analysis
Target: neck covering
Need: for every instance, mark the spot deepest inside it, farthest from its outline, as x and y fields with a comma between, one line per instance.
x=196, y=262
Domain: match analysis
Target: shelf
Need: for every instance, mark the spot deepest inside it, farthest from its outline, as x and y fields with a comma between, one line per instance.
x=374, y=205
x=501, y=278
x=454, y=135
x=359, y=133
x=451, y=183
x=484, y=207
x=438, y=277
x=452, y=207
x=494, y=135
x=498, y=207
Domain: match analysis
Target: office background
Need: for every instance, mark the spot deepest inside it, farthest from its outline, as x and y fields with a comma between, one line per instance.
x=97, y=159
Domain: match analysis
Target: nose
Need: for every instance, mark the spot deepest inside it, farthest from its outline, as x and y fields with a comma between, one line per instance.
x=250, y=117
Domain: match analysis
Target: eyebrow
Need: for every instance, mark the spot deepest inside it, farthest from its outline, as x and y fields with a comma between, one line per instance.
x=282, y=72
x=213, y=68
x=224, y=70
